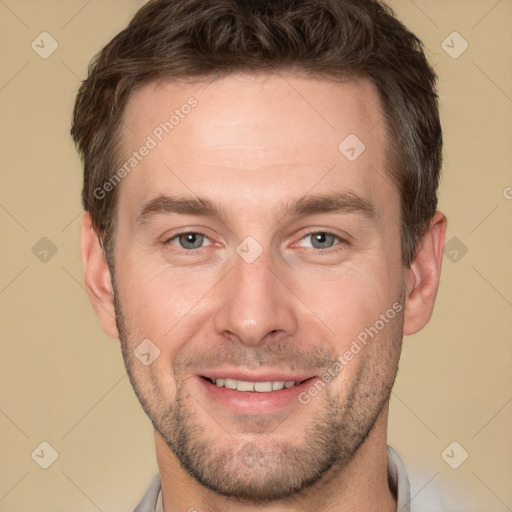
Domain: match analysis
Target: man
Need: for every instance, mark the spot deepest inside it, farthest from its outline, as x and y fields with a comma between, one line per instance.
x=260, y=187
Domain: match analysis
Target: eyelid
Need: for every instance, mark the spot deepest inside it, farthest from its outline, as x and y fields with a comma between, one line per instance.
x=185, y=232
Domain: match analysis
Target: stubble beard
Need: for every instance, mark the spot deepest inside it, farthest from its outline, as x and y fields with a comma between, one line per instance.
x=268, y=468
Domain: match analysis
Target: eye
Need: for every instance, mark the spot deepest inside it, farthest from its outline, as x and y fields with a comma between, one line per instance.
x=189, y=240
x=319, y=240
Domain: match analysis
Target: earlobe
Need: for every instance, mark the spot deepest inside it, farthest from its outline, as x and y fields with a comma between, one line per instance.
x=423, y=276
x=97, y=277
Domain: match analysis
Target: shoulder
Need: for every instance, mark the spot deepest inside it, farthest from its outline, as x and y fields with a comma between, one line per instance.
x=424, y=489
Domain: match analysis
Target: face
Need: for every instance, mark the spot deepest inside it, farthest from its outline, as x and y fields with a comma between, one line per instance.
x=256, y=253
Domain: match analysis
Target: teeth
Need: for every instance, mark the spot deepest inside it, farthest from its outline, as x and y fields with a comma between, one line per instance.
x=261, y=387
x=244, y=386
x=230, y=383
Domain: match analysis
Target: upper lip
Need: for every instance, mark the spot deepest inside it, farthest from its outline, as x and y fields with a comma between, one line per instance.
x=269, y=375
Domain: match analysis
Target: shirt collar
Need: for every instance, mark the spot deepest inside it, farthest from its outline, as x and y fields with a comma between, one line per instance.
x=398, y=481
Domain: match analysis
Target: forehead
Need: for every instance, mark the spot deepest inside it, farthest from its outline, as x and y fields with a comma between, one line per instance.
x=266, y=132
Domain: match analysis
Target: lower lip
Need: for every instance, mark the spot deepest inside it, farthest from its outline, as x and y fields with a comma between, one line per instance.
x=254, y=402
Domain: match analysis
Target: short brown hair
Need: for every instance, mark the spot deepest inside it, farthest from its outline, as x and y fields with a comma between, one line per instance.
x=169, y=39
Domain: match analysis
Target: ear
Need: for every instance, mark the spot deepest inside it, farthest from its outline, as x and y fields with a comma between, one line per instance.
x=98, y=282
x=423, y=276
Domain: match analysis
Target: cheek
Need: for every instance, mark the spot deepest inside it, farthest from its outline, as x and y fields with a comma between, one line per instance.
x=348, y=299
x=162, y=304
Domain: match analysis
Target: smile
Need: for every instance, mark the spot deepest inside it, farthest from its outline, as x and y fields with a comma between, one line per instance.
x=260, y=387
x=268, y=394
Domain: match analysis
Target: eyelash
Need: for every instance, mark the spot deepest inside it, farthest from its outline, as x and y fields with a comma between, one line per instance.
x=189, y=252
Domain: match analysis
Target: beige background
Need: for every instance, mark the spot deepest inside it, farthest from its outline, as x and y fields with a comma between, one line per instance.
x=63, y=380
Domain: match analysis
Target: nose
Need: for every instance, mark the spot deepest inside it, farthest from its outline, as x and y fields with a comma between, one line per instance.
x=255, y=304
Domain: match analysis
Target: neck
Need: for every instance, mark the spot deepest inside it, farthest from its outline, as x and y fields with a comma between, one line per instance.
x=360, y=485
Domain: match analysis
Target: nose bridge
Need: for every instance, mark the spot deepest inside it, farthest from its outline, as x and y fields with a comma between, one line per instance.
x=254, y=302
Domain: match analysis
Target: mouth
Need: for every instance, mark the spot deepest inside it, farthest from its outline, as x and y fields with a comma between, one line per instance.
x=254, y=395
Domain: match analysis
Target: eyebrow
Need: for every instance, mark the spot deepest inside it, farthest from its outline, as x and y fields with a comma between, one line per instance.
x=335, y=202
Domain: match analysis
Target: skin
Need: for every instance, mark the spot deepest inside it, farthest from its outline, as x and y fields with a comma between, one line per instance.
x=254, y=144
